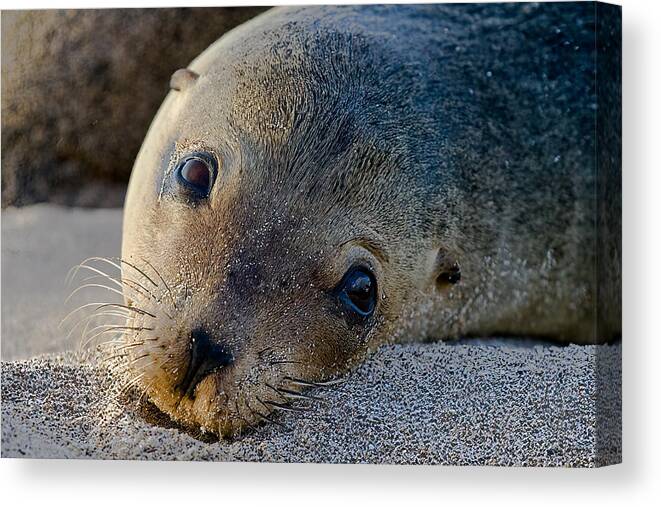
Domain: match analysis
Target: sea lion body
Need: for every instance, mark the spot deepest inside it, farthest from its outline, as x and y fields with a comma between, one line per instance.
x=447, y=150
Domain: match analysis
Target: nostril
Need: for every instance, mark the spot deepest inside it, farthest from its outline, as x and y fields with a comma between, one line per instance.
x=206, y=356
x=204, y=348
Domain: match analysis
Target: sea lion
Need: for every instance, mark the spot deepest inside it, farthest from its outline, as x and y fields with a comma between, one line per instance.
x=323, y=180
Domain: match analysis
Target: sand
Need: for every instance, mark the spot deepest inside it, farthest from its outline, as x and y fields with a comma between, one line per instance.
x=418, y=404
x=482, y=402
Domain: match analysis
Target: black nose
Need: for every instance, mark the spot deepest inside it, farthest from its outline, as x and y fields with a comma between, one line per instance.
x=206, y=356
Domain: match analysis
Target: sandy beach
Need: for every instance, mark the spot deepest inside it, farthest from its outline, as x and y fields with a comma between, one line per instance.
x=440, y=404
x=481, y=402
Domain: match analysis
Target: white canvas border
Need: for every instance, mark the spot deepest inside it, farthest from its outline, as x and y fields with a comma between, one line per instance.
x=635, y=482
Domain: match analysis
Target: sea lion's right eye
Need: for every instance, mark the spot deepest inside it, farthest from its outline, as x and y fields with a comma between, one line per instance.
x=358, y=291
x=197, y=175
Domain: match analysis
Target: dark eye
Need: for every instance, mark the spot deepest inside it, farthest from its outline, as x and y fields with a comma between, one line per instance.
x=196, y=174
x=358, y=291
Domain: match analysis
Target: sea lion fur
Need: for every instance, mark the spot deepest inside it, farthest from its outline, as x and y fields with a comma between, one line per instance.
x=449, y=150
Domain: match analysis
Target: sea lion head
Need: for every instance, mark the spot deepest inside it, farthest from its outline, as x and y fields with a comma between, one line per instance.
x=265, y=247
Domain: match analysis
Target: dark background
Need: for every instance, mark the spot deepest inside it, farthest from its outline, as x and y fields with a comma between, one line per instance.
x=80, y=88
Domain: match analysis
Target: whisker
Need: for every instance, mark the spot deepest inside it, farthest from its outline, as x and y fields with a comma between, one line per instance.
x=286, y=407
x=101, y=305
x=71, y=274
x=99, y=273
x=130, y=308
x=174, y=304
x=123, y=283
x=130, y=384
x=130, y=345
x=242, y=418
x=95, y=315
x=136, y=359
x=115, y=356
x=122, y=349
x=110, y=261
x=124, y=261
x=287, y=393
x=92, y=285
x=305, y=383
x=121, y=329
x=117, y=326
x=143, y=290
x=274, y=389
x=85, y=343
x=76, y=310
x=334, y=382
x=146, y=389
x=266, y=418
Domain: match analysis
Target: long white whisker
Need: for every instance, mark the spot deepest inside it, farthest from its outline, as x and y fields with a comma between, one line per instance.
x=96, y=315
x=125, y=283
x=71, y=274
x=98, y=272
x=92, y=285
x=129, y=308
x=118, y=329
x=103, y=305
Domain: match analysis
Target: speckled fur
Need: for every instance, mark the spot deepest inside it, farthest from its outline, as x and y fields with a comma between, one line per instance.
x=409, y=138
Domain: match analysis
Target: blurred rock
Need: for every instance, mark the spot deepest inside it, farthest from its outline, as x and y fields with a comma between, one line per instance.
x=79, y=90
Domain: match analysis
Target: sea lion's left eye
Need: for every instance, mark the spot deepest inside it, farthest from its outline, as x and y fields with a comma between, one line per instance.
x=358, y=291
x=196, y=174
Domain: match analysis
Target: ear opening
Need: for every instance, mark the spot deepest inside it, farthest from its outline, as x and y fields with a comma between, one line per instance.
x=183, y=79
x=449, y=277
x=448, y=271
